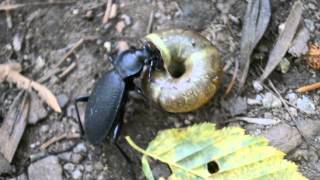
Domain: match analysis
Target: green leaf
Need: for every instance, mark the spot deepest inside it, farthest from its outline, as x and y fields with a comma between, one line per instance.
x=191, y=152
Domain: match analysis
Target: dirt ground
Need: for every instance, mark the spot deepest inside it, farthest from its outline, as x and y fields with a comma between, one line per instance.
x=47, y=32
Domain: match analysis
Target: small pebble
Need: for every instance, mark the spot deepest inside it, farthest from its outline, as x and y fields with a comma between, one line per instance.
x=292, y=97
x=17, y=42
x=284, y=65
x=107, y=46
x=76, y=158
x=80, y=148
x=89, y=15
x=120, y=26
x=69, y=167
x=63, y=100
x=271, y=101
x=127, y=19
x=77, y=174
x=122, y=46
x=257, y=86
x=306, y=105
x=75, y=11
x=309, y=25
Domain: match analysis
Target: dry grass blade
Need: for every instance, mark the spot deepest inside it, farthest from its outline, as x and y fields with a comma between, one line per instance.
x=284, y=41
x=8, y=7
x=14, y=125
x=9, y=73
x=256, y=22
x=261, y=121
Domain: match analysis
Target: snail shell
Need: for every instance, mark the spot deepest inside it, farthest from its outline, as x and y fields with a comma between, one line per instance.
x=191, y=71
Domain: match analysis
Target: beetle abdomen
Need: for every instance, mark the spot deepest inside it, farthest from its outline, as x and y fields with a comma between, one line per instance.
x=103, y=106
x=192, y=71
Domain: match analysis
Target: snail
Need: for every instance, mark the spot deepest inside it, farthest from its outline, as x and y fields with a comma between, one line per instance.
x=191, y=72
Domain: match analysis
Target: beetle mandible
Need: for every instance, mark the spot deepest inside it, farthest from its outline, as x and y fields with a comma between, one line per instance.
x=104, y=109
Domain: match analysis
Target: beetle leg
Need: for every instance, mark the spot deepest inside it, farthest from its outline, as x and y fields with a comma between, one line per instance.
x=149, y=71
x=126, y=157
x=80, y=99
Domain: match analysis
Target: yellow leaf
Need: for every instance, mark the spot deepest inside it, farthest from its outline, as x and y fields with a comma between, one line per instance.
x=203, y=152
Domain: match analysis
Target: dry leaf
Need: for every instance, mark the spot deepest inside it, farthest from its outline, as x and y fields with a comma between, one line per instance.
x=284, y=41
x=10, y=73
x=256, y=22
x=14, y=125
x=313, y=58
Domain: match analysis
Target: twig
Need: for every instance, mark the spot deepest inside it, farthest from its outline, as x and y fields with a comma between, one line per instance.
x=48, y=75
x=9, y=7
x=150, y=22
x=67, y=70
x=76, y=45
x=308, y=88
x=74, y=48
x=233, y=80
x=106, y=16
x=287, y=109
x=59, y=138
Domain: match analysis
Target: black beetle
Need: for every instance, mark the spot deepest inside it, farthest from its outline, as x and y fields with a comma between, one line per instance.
x=104, y=109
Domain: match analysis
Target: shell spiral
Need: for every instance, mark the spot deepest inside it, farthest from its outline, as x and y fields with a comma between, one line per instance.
x=192, y=71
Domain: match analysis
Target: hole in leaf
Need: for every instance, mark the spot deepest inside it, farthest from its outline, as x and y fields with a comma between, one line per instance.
x=213, y=167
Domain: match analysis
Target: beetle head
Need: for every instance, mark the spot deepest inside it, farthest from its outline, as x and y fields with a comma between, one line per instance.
x=154, y=58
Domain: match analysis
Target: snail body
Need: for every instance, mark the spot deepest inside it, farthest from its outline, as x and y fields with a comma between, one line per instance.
x=191, y=72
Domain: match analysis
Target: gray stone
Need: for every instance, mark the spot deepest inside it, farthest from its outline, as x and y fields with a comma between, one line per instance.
x=235, y=105
x=257, y=86
x=45, y=169
x=69, y=167
x=63, y=100
x=5, y=167
x=77, y=174
x=76, y=158
x=80, y=148
x=271, y=101
x=292, y=97
x=306, y=105
x=65, y=156
x=284, y=65
x=37, y=110
x=283, y=137
x=309, y=25
x=309, y=128
x=299, y=45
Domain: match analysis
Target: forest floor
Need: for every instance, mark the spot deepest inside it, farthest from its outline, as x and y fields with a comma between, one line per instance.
x=42, y=34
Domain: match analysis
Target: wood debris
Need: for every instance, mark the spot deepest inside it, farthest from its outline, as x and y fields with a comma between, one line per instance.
x=106, y=16
x=313, y=58
x=309, y=87
x=59, y=138
x=11, y=73
x=14, y=125
x=257, y=18
x=150, y=22
x=284, y=40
